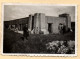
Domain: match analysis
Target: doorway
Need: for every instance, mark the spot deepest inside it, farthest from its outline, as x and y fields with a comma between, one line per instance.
x=50, y=27
x=32, y=22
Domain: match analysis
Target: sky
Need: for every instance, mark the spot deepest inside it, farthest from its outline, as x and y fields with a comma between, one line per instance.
x=12, y=12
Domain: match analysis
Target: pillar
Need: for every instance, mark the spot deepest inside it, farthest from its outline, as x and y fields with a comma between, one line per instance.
x=36, y=23
x=43, y=23
x=30, y=22
x=68, y=22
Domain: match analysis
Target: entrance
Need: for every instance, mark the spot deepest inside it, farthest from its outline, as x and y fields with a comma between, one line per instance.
x=32, y=22
x=50, y=27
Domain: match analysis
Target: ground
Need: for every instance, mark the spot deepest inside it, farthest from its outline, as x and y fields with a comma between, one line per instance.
x=15, y=43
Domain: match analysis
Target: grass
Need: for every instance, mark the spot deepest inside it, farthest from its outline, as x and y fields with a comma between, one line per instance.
x=14, y=43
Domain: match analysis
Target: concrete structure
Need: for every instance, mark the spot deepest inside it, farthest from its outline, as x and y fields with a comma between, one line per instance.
x=40, y=23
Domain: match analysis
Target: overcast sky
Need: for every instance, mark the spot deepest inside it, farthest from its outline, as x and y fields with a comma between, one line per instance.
x=12, y=12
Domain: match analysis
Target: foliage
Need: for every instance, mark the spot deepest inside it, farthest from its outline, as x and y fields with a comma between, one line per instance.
x=37, y=43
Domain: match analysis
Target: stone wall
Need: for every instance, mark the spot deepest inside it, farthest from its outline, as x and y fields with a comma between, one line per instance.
x=17, y=23
x=55, y=21
x=39, y=22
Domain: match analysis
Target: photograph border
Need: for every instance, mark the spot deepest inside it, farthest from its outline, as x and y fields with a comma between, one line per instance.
x=31, y=54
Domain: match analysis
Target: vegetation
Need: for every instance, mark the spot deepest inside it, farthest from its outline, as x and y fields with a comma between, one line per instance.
x=38, y=43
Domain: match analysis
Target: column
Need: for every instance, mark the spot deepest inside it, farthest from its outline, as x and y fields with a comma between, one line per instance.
x=30, y=22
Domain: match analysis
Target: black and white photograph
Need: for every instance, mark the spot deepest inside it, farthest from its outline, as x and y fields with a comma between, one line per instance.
x=39, y=29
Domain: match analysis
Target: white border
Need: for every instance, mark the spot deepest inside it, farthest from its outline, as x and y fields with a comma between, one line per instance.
x=23, y=54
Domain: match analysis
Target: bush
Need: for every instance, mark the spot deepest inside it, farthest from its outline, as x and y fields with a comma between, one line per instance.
x=60, y=47
x=38, y=43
